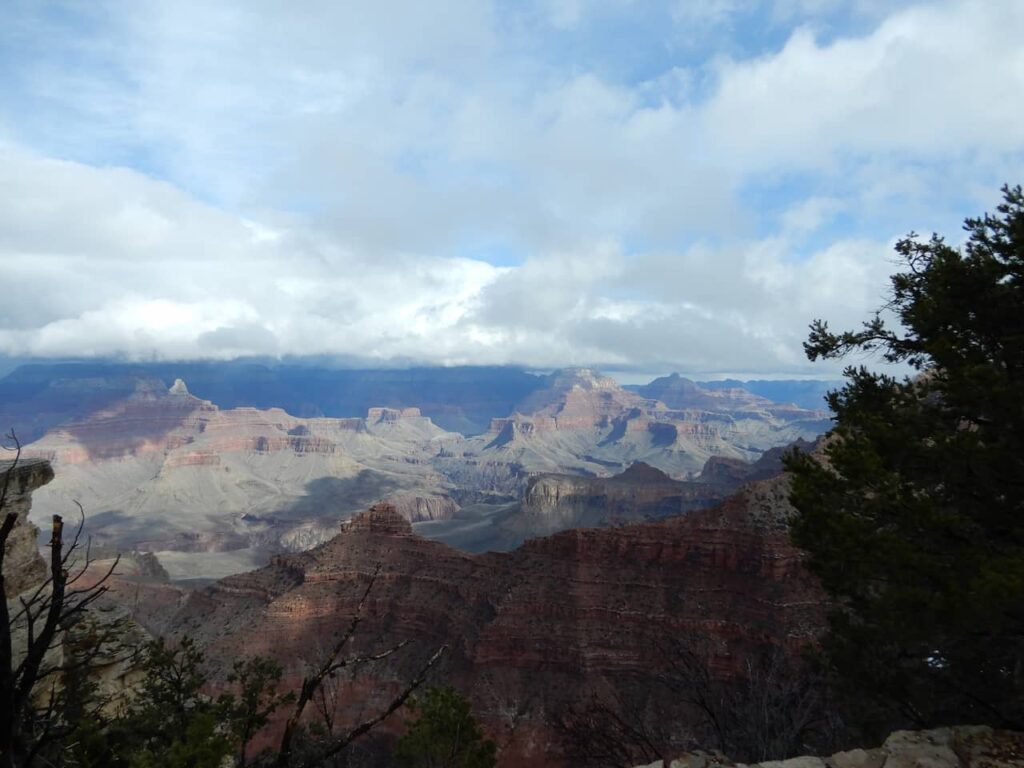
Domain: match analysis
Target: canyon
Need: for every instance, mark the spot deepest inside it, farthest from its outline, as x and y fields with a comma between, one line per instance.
x=530, y=632
x=37, y=396
x=216, y=491
x=576, y=563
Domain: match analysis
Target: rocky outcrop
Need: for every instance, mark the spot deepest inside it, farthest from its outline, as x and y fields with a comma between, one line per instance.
x=35, y=398
x=166, y=470
x=148, y=422
x=587, y=422
x=552, y=502
x=392, y=414
x=178, y=388
x=957, y=747
x=192, y=431
x=678, y=392
x=113, y=666
x=731, y=473
x=528, y=631
x=580, y=398
x=382, y=519
x=23, y=565
x=418, y=508
x=641, y=492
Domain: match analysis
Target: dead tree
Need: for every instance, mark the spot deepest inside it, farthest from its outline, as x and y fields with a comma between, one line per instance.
x=31, y=672
x=333, y=662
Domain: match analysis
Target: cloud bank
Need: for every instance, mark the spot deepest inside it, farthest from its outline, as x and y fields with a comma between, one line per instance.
x=553, y=183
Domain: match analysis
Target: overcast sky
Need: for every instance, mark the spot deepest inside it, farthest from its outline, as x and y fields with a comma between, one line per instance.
x=659, y=185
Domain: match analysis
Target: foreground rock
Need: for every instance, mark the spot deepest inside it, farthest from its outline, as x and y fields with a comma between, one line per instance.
x=957, y=747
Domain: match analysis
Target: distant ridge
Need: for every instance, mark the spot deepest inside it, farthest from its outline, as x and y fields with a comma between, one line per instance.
x=38, y=396
x=806, y=393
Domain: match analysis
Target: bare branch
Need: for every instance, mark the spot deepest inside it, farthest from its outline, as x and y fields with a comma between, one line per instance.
x=29, y=668
x=73, y=546
x=353, y=661
x=312, y=682
x=40, y=597
x=395, y=704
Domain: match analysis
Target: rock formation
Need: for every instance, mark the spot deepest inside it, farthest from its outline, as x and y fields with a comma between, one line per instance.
x=586, y=423
x=35, y=398
x=112, y=667
x=531, y=630
x=418, y=508
x=957, y=747
x=216, y=491
x=168, y=472
x=555, y=502
x=678, y=392
x=23, y=565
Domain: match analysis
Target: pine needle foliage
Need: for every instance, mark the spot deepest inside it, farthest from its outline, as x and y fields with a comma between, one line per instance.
x=914, y=516
x=444, y=735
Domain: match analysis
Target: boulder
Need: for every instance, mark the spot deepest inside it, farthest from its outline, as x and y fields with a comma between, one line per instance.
x=964, y=746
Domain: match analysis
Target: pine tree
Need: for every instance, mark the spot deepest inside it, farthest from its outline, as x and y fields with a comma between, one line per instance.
x=445, y=735
x=914, y=520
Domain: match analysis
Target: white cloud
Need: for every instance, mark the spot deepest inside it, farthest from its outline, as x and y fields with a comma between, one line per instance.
x=122, y=290
x=334, y=181
x=929, y=82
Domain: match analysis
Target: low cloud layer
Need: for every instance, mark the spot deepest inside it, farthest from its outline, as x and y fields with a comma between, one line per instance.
x=486, y=185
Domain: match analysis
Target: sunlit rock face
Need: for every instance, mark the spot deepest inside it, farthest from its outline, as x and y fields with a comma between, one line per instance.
x=167, y=472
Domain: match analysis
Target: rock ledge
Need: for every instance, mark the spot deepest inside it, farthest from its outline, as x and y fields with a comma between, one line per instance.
x=962, y=746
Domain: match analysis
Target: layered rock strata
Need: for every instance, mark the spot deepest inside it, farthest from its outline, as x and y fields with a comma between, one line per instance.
x=555, y=502
x=165, y=471
x=169, y=472
x=584, y=422
x=529, y=631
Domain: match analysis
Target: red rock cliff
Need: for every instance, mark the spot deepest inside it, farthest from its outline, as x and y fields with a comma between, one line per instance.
x=533, y=629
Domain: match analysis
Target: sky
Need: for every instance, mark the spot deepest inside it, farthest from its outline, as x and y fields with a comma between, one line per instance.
x=627, y=184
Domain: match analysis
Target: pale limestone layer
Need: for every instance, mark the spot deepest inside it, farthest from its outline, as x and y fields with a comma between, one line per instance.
x=965, y=746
